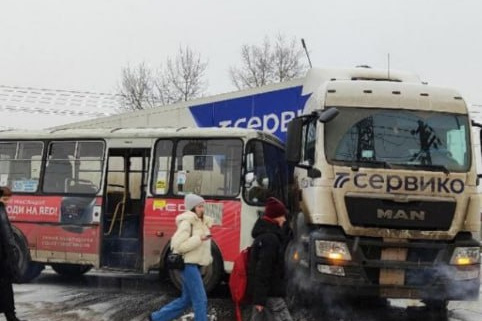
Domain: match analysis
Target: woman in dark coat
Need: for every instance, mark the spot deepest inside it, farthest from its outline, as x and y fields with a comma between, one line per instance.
x=8, y=261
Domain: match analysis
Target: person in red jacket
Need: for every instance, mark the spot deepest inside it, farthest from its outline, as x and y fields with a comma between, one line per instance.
x=266, y=277
x=8, y=260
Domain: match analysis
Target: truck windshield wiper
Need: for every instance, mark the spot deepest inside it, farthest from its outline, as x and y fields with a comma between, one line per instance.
x=355, y=165
x=432, y=167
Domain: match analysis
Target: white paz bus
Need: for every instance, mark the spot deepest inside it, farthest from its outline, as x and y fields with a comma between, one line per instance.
x=99, y=198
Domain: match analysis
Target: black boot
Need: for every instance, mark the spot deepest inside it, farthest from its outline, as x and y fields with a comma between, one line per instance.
x=11, y=316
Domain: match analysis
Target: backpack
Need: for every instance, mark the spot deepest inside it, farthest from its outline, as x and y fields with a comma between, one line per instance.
x=238, y=280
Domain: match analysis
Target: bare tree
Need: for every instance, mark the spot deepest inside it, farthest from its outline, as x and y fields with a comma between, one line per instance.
x=164, y=89
x=287, y=59
x=180, y=79
x=136, y=90
x=271, y=62
x=256, y=66
x=183, y=76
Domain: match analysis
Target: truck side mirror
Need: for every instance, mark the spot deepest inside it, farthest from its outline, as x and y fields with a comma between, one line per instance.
x=328, y=115
x=293, y=141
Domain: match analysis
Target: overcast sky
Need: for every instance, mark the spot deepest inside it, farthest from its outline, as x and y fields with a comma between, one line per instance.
x=82, y=45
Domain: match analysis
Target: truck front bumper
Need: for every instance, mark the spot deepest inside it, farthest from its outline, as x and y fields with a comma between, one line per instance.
x=425, y=273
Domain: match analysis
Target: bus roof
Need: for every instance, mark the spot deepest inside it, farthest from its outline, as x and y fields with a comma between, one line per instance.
x=137, y=132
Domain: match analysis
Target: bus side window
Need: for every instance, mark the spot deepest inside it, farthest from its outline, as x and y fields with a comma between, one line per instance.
x=19, y=170
x=24, y=167
x=88, y=163
x=190, y=178
x=162, y=167
x=35, y=167
x=74, y=167
x=57, y=172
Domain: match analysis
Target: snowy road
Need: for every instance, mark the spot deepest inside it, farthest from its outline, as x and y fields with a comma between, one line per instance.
x=109, y=296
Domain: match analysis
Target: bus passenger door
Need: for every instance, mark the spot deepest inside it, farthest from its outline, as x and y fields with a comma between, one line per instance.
x=123, y=210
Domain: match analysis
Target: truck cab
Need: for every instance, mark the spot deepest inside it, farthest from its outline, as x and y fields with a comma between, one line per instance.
x=385, y=181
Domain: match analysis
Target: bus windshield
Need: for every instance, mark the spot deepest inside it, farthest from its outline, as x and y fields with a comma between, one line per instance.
x=270, y=173
x=404, y=138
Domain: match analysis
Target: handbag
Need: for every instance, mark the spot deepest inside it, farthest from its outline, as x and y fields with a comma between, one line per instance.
x=175, y=261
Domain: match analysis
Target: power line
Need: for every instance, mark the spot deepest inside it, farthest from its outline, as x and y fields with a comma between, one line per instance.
x=50, y=111
x=57, y=102
x=19, y=88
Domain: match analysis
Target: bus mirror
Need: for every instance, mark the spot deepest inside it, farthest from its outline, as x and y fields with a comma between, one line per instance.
x=250, y=162
x=293, y=141
x=328, y=115
x=265, y=182
x=249, y=179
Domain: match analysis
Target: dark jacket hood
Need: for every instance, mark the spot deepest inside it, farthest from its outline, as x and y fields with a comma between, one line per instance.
x=263, y=226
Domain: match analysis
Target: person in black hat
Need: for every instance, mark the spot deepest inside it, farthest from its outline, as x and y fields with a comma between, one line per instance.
x=266, y=282
x=8, y=260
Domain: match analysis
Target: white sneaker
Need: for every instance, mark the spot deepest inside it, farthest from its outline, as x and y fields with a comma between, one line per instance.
x=187, y=317
x=212, y=317
x=190, y=317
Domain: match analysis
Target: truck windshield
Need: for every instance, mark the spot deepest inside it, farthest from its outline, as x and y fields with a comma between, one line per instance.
x=398, y=138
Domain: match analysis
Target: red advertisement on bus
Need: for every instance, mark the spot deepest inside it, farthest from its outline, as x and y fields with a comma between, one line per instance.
x=160, y=223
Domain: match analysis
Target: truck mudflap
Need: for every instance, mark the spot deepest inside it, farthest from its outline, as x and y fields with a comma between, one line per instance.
x=418, y=269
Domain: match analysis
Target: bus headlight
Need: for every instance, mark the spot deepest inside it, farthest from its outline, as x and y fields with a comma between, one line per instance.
x=332, y=250
x=465, y=256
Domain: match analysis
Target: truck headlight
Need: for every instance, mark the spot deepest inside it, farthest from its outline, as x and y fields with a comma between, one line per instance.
x=465, y=256
x=331, y=269
x=332, y=250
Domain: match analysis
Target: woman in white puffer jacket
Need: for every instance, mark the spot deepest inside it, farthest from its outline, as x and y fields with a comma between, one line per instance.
x=192, y=239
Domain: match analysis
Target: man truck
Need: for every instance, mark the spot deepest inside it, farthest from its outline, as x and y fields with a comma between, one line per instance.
x=386, y=187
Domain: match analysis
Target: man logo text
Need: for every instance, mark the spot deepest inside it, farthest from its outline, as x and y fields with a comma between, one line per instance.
x=400, y=215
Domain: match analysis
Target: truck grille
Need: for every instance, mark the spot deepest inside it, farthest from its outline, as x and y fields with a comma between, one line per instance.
x=420, y=265
x=414, y=255
x=414, y=215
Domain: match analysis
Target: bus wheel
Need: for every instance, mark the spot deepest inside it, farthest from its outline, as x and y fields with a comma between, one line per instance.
x=71, y=269
x=27, y=269
x=211, y=274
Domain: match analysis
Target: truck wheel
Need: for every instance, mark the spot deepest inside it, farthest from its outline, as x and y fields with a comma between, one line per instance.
x=436, y=305
x=27, y=269
x=299, y=225
x=71, y=270
x=365, y=301
x=297, y=294
x=211, y=274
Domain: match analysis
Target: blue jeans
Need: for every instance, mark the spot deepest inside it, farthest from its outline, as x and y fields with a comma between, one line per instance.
x=193, y=294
